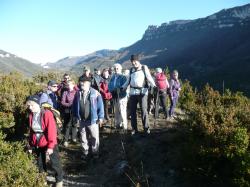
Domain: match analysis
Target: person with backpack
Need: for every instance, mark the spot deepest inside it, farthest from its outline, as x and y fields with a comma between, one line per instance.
x=88, y=109
x=67, y=102
x=50, y=96
x=139, y=81
x=119, y=97
x=162, y=87
x=43, y=138
x=174, y=89
x=96, y=79
x=106, y=95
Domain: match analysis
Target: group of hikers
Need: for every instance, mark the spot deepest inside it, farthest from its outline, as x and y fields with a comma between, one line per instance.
x=87, y=105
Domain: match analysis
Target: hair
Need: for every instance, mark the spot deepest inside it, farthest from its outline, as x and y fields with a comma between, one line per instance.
x=175, y=72
x=117, y=65
x=66, y=74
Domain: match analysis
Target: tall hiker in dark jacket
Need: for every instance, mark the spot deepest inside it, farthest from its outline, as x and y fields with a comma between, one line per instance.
x=43, y=137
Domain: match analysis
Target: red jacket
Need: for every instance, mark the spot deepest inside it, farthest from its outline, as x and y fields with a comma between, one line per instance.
x=104, y=90
x=49, y=139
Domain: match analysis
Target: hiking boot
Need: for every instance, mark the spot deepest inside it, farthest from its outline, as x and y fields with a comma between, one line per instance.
x=59, y=184
x=66, y=144
x=147, y=131
x=134, y=132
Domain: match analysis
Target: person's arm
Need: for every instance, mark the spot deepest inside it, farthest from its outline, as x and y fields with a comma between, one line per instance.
x=50, y=124
x=125, y=85
x=100, y=107
x=149, y=77
x=110, y=85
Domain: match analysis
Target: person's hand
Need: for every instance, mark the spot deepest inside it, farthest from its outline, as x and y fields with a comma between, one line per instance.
x=30, y=151
x=99, y=121
x=49, y=151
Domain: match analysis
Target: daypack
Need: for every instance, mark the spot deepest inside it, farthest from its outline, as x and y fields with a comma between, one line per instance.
x=146, y=85
x=56, y=113
x=160, y=80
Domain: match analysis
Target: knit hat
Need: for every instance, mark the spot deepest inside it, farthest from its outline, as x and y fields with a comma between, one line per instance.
x=134, y=58
x=34, y=98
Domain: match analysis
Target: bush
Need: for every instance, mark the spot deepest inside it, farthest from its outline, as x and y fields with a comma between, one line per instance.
x=17, y=168
x=14, y=89
x=218, y=146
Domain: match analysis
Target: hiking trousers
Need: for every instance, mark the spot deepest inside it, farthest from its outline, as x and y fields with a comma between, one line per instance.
x=54, y=159
x=120, y=106
x=69, y=126
x=162, y=101
x=89, y=137
x=143, y=102
x=173, y=103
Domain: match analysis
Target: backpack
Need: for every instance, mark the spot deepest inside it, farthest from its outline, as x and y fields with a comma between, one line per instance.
x=143, y=69
x=56, y=113
x=160, y=80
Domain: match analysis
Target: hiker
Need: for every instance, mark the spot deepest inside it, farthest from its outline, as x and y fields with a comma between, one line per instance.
x=96, y=79
x=43, y=138
x=67, y=101
x=174, y=89
x=139, y=80
x=62, y=87
x=119, y=97
x=88, y=109
x=50, y=96
x=162, y=87
x=86, y=73
x=106, y=95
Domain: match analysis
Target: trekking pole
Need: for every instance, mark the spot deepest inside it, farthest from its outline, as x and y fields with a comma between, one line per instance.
x=156, y=106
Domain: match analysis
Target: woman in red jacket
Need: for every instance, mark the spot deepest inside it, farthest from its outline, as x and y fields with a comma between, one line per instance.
x=43, y=138
x=106, y=95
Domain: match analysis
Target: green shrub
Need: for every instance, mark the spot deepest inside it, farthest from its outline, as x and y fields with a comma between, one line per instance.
x=218, y=145
x=17, y=168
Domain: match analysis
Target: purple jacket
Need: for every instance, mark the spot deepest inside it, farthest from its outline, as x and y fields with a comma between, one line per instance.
x=174, y=88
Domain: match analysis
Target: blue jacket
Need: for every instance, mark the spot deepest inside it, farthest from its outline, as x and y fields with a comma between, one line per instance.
x=96, y=104
x=120, y=80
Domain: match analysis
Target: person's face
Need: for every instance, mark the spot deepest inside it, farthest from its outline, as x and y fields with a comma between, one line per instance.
x=175, y=75
x=33, y=106
x=70, y=85
x=87, y=72
x=85, y=86
x=53, y=88
x=118, y=69
x=135, y=63
x=106, y=74
x=66, y=78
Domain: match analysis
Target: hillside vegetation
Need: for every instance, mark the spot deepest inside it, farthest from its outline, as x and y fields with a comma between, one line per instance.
x=209, y=146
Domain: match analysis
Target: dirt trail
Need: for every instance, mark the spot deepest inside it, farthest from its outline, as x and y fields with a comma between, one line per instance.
x=150, y=160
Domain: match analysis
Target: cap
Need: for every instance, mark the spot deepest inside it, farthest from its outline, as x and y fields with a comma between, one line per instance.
x=158, y=70
x=51, y=82
x=83, y=79
x=34, y=98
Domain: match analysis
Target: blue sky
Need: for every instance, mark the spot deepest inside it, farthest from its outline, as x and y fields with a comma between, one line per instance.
x=48, y=30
